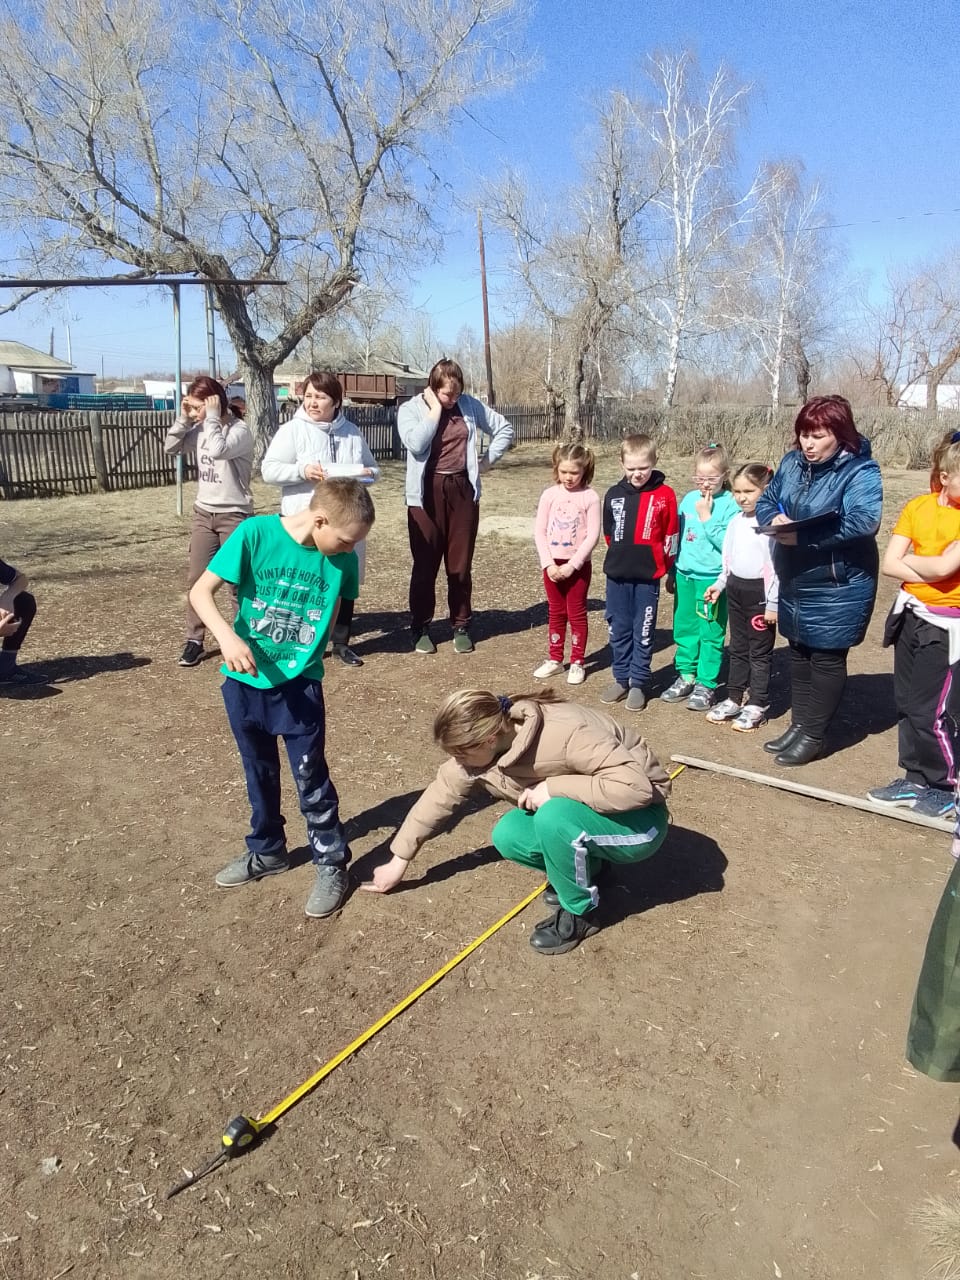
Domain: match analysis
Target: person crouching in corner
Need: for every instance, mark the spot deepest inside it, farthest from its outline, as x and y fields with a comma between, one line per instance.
x=587, y=791
x=290, y=573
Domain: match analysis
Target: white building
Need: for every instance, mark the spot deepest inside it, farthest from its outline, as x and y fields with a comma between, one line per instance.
x=915, y=396
x=36, y=374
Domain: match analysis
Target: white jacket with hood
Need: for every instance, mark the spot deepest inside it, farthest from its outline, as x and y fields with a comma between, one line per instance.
x=300, y=442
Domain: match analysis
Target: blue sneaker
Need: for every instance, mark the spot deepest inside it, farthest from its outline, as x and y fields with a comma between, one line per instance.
x=934, y=803
x=900, y=792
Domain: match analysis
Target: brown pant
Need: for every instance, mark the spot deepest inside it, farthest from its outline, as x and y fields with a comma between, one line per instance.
x=443, y=530
x=208, y=533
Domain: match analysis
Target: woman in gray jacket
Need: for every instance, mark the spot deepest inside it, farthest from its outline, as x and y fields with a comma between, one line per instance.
x=441, y=430
x=224, y=449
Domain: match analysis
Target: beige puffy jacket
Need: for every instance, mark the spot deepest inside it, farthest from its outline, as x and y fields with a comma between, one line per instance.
x=580, y=753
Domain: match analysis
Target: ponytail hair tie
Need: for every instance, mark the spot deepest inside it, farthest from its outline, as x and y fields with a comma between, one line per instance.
x=505, y=703
x=712, y=444
x=955, y=438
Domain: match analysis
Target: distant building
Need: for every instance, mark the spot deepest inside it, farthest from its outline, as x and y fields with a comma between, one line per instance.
x=382, y=381
x=34, y=373
x=915, y=396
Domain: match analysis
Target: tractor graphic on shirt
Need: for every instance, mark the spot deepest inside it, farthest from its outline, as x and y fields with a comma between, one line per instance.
x=284, y=626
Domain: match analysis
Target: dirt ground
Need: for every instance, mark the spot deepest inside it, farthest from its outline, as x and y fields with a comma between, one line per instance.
x=714, y=1086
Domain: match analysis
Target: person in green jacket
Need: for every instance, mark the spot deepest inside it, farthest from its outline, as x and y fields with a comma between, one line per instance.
x=699, y=628
x=933, y=1041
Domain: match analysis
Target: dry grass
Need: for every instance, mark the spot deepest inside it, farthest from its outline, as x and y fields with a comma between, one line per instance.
x=938, y=1220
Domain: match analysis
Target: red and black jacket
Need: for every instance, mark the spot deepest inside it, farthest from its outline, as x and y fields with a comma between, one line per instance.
x=641, y=529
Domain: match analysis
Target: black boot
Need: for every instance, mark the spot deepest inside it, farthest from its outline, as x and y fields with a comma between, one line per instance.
x=786, y=739
x=801, y=750
x=341, y=646
x=561, y=932
x=347, y=655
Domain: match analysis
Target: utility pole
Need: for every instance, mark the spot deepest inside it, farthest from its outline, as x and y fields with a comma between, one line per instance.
x=211, y=332
x=491, y=398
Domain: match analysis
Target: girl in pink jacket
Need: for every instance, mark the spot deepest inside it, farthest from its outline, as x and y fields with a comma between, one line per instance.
x=567, y=530
x=586, y=791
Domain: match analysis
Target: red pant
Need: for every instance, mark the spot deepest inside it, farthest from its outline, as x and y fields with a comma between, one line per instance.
x=567, y=602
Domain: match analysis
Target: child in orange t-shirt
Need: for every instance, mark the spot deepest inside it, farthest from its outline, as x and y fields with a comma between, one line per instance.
x=924, y=628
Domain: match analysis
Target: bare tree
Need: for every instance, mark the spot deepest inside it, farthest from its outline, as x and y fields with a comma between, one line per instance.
x=692, y=125
x=914, y=332
x=577, y=253
x=885, y=359
x=291, y=140
x=775, y=295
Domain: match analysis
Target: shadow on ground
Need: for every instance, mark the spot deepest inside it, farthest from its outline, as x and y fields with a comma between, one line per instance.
x=867, y=708
x=80, y=667
x=688, y=864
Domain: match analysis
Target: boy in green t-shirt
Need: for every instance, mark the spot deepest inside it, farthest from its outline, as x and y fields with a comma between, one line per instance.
x=290, y=574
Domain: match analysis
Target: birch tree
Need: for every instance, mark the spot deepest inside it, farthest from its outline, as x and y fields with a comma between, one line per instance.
x=692, y=125
x=775, y=294
x=239, y=138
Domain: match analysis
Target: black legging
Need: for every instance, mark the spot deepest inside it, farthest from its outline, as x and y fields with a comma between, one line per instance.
x=24, y=608
x=818, y=677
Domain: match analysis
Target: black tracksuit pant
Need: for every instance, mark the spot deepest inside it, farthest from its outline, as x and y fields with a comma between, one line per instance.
x=751, y=641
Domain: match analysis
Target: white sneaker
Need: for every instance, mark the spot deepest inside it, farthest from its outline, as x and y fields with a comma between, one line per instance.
x=576, y=674
x=725, y=710
x=750, y=718
x=548, y=669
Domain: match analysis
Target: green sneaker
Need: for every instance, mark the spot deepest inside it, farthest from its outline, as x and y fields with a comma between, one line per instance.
x=423, y=643
x=251, y=866
x=461, y=641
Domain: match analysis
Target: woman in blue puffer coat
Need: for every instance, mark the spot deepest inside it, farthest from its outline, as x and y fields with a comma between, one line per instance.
x=828, y=570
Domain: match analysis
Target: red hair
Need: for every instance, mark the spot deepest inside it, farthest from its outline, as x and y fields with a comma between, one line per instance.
x=828, y=413
x=203, y=387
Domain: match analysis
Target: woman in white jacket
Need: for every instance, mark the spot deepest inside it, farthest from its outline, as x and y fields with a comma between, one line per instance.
x=319, y=443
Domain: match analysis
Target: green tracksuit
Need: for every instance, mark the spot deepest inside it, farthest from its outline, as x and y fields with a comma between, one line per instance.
x=699, y=640
x=567, y=839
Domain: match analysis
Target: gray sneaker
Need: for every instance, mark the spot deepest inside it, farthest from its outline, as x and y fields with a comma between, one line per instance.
x=614, y=693
x=251, y=866
x=702, y=698
x=680, y=689
x=328, y=892
x=636, y=700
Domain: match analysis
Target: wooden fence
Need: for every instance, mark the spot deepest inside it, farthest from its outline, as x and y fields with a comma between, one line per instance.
x=49, y=454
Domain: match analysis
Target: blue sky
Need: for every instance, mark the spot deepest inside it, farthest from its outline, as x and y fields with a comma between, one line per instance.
x=866, y=95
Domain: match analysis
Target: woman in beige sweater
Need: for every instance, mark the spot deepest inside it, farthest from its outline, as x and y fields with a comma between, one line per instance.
x=586, y=790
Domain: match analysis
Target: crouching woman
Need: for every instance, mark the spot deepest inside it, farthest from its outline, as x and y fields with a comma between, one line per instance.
x=586, y=791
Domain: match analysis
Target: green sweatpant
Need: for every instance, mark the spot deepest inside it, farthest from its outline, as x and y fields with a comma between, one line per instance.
x=699, y=640
x=567, y=839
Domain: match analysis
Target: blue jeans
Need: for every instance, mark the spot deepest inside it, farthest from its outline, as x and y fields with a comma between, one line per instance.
x=293, y=711
x=632, y=614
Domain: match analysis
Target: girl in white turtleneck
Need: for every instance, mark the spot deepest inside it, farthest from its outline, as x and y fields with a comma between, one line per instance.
x=319, y=443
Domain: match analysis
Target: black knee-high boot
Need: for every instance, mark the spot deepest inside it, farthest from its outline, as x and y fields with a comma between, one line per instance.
x=341, y=636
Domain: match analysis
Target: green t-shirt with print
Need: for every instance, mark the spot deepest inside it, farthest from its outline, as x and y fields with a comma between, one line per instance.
x=287, y=593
